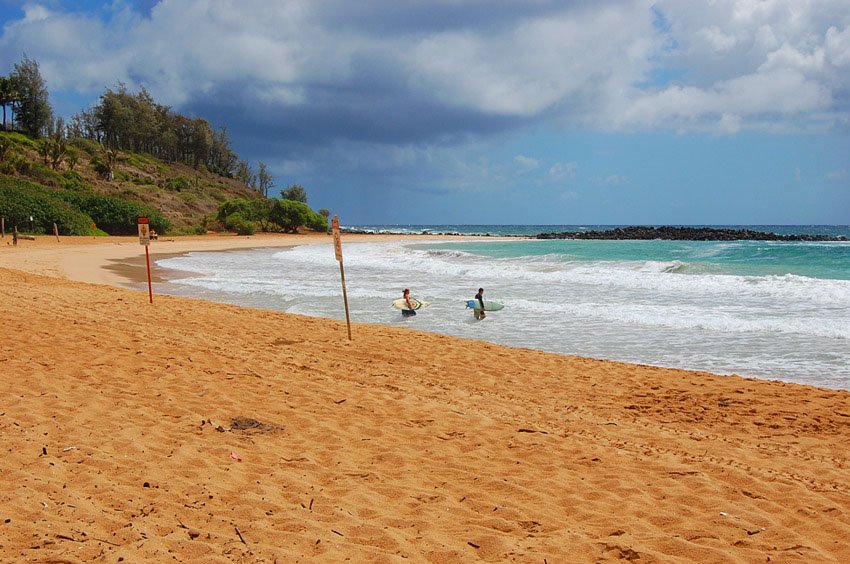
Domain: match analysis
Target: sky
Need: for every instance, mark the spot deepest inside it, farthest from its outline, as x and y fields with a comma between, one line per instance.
x=724, y=112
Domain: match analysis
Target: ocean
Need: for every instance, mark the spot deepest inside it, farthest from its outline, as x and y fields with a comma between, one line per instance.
x=771, y=310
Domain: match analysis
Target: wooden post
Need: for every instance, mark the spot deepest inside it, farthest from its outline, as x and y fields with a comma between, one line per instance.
x=145, y=239
x=56, y=232
x=3, y=226
x=338, y=252
x=15, y=235
x=150, y=286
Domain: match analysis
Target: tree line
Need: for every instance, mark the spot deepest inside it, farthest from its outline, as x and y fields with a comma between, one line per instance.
x=133, y=121
x=126, y=121
x=136, y=122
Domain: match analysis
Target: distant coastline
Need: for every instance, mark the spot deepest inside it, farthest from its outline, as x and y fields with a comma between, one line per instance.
x=673, y=233
x=449, y=231
x=753, y=232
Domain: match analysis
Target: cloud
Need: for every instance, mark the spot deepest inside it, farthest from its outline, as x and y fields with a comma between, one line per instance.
x=534, y=66
x=563, y=171
x=837, y=48
x=750, y=65
x=35, y=13
x=610, y=180
x=526, y=164
x=838, y=175
x=461, y=64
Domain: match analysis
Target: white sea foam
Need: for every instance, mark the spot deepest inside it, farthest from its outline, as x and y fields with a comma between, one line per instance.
x=652, y=312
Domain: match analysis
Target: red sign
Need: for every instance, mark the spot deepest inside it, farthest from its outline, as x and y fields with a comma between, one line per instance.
x=144, y=231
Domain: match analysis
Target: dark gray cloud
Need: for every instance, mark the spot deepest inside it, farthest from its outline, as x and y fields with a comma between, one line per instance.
x=362, y=111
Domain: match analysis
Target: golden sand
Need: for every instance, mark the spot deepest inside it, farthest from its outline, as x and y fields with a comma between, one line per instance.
x=191, y=431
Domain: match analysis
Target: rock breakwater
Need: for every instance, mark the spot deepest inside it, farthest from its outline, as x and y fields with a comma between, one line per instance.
x=673, y=233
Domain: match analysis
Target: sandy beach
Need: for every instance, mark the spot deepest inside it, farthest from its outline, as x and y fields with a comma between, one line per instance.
x=191, y=431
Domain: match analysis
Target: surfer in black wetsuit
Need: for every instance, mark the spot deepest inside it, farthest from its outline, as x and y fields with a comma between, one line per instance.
x=479, y=312
x=410, y=306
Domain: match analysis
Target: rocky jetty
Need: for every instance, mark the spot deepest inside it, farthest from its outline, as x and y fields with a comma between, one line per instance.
x=673, y=233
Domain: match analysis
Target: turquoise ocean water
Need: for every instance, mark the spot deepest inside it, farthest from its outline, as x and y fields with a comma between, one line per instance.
x=775, y=310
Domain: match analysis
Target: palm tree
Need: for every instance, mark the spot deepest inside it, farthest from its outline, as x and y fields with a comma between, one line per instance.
x=8, y=95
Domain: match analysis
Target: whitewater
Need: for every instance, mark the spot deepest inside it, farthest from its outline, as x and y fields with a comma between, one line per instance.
x=758, y=309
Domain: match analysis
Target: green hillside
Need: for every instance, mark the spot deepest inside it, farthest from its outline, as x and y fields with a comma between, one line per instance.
x=109, y=184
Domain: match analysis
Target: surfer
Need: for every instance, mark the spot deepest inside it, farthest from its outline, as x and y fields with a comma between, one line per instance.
x=479, y=312
x=410, y=307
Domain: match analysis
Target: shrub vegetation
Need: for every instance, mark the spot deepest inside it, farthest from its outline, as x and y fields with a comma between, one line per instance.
x=20, y=200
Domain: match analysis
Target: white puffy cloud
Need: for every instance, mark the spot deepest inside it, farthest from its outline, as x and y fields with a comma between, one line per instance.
x=35, y=13
x=717, y=40
x=838, y=46
x=766, y=64
x=526, y=164
x=75, y=51
x=759, y=99
x=439, y=71
x=537, y=64
x=563, y=171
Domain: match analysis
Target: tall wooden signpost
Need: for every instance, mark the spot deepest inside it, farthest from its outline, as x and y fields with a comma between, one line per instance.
x=145, y=239
x=338, y=252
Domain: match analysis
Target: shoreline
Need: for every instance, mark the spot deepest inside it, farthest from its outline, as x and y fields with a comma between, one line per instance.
x=113, y=260
x=120, y=261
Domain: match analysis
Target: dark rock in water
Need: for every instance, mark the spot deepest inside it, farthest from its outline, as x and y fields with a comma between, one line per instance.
x=672, y=233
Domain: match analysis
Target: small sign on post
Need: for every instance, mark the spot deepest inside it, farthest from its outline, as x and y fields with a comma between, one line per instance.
x=144, y=231
x=338, y=253
x=145, y=239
